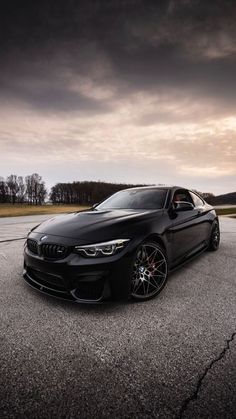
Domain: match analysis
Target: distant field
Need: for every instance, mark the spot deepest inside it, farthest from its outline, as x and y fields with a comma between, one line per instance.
x=7, y=210
x=225, y=211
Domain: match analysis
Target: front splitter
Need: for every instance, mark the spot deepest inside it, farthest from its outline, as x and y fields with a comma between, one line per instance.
x=62, y=295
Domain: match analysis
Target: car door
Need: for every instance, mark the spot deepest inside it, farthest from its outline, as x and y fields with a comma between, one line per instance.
x=185, y=235
x=204, y=228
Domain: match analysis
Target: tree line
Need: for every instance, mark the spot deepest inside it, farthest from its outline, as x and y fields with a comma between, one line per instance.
x=31, y=190
x=85, y=193
x=89, y=193
x=17, y=189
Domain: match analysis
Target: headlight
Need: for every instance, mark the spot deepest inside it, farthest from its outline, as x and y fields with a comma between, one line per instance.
x=101, y=249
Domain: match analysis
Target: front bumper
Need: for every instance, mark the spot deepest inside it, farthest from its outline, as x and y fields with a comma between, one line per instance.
x=80, y=279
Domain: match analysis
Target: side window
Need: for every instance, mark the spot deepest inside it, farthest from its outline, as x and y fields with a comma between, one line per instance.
x=182, y=195
x=198, y=202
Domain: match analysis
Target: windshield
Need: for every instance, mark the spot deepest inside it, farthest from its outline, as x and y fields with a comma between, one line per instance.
x=135, y=199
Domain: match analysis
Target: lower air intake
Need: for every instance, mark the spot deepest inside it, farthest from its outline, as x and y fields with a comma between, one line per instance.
x=91, y=290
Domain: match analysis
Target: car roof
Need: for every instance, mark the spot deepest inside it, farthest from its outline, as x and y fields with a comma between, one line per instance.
x=157, y=187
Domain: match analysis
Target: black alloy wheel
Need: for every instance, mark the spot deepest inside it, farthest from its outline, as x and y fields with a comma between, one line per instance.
x=215, y=237
x=150, y=271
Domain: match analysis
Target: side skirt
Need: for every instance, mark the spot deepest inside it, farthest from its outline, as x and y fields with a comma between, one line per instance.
x=189, y=257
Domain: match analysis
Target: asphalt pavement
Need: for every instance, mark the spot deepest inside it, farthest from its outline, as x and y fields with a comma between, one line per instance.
x=15, y=228
x=171, y=357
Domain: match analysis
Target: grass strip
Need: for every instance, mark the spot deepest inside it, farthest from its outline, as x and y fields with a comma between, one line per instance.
x=10, y=210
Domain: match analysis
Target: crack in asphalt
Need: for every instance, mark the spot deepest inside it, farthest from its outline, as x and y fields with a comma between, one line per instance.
x=3, y=255
x=194, y=396
x=12, y=240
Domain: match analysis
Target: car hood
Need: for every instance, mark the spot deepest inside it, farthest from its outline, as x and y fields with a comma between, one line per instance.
x=94, y=225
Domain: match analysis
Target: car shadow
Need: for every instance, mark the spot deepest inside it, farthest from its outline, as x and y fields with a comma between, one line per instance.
x=73, y=306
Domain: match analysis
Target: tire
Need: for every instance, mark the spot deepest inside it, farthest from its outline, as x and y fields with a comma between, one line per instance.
x=150, y=271
x=215, y=237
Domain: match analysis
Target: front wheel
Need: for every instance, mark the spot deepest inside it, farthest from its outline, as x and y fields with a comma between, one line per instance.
x=150, y=271
x=215, y=237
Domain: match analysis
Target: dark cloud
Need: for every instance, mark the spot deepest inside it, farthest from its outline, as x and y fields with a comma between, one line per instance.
x=98, y=77
x=184, y=44
x=50, y=97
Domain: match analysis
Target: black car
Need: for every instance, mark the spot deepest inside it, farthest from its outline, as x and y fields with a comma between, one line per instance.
x=122, y=248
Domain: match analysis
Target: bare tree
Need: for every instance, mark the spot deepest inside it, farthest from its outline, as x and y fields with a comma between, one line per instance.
x=35, y=189
x=42, y=193
x=3, y=191
x=12, y=183
x=21, y=189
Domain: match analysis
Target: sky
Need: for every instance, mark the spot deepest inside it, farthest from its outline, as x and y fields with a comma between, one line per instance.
x=135, y=91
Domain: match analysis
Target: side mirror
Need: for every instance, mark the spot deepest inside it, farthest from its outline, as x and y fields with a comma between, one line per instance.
x=94, y=205
x=180, y=206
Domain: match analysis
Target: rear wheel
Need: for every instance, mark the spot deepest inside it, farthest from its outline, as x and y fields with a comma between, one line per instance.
x=150, y=271
x=215, y=237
